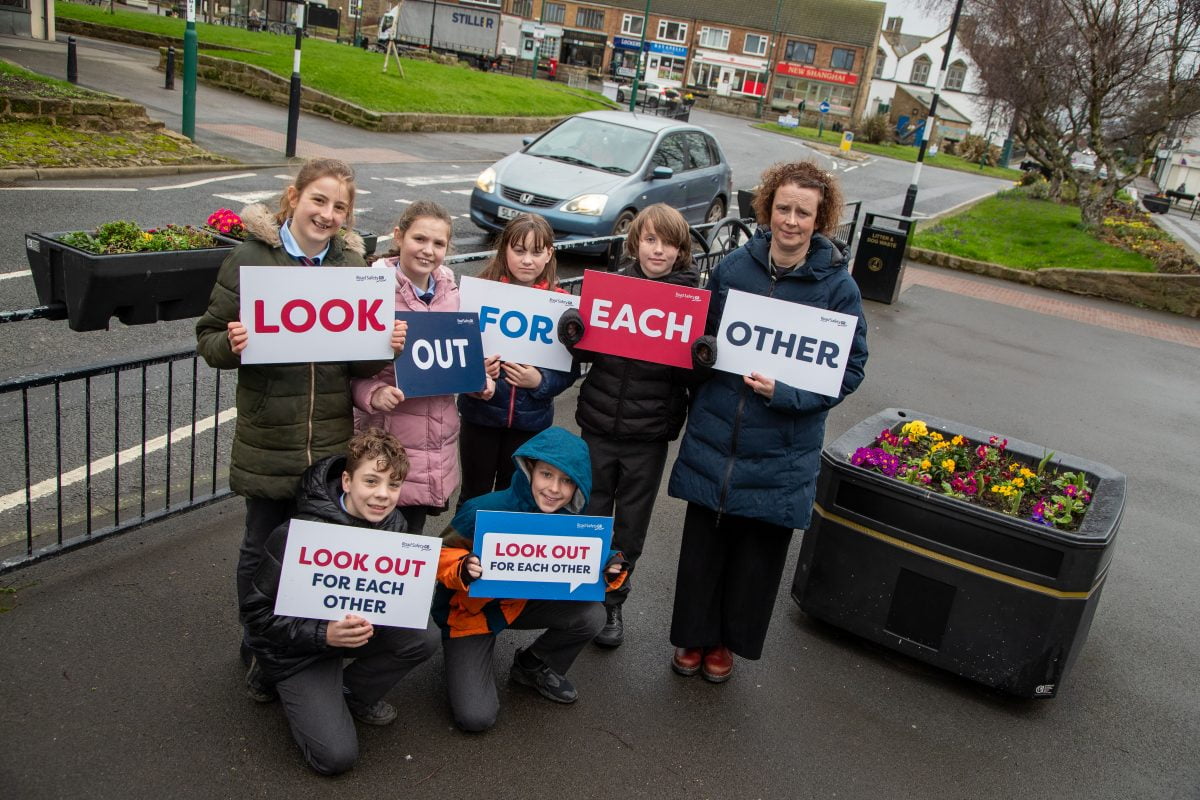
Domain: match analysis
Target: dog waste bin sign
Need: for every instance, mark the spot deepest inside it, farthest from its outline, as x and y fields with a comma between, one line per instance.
x=879, y=261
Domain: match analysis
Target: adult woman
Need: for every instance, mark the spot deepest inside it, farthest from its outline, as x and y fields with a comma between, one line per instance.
x=749, y=458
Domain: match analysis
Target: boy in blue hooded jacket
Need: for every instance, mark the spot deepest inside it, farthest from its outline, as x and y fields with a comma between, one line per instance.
x=553, y=476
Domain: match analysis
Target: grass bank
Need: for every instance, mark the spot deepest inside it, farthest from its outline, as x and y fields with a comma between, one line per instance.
x=356, y=75
x=897, y=151
x=34, y=143
x=1023, y=233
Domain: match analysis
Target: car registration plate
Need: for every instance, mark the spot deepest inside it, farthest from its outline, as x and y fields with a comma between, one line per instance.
x=504, y=212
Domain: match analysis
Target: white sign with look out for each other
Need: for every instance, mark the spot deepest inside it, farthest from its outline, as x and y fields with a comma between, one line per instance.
x=301, y=314
x=801, y=346
x=329, y=571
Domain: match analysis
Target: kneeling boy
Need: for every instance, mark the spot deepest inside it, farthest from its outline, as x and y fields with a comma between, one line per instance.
x=553, y=476
x=303, y=657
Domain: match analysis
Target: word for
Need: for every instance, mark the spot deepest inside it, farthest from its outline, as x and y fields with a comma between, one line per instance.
x=515, y=325
x=675, y=328
x=334, y=315
x=360, y=584
x=740, y=333
x=343, y=559
x=524, y=566
x=527, y=550
x=426, y=352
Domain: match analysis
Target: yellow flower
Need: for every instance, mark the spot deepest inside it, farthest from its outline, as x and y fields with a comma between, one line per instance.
x=915, y=429
x=939, y=446
x=948, y=464
x=1026, y=472
x=1013, y=467
x=957, y=441
x=926, y=464
x=1018, y=482
x=937, y=437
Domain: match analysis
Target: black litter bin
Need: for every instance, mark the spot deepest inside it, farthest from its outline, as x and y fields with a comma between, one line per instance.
x=879, y=261
x=997, y=599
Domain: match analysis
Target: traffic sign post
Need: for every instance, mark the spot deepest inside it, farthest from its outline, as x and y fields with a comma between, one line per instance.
x=847, y=141
x=824, y=109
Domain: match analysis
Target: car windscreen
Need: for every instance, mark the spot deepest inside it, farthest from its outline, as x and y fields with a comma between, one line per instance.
x=595, y=144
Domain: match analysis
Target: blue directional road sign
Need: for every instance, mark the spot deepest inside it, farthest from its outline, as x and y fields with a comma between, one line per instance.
x=824, y=107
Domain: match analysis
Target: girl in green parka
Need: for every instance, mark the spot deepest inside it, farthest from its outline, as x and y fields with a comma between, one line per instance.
x=288, y=415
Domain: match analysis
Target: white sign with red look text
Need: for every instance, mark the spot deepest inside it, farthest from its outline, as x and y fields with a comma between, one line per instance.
x=519, y=323
x=301, y=314
x=329, y=571
x=801, y=346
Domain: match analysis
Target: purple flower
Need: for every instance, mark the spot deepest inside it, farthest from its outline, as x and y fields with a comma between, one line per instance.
x=876, y=458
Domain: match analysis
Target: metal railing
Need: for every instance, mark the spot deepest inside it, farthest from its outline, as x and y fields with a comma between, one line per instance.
x=99, y=450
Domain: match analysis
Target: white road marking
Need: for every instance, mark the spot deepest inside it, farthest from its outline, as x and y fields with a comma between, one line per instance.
x=66, y=189
x=20, y=274
x=101, y=465
x=249, y=197
x=361, y=191
x=289, y=177
x=401, y=200
x=203, y=181
x=457, y=191
x=430, y=180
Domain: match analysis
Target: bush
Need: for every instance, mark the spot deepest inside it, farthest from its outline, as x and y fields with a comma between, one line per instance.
x=875, y=129
x=973, y=148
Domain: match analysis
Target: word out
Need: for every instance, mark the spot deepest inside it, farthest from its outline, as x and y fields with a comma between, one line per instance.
x=344, y=559
x=444, y=352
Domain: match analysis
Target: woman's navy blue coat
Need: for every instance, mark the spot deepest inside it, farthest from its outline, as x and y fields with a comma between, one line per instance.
x=742, y=454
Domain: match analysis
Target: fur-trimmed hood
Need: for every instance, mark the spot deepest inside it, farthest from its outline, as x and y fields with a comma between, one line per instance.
x=260, y=223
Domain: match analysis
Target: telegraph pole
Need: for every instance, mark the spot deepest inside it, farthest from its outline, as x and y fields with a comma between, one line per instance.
x=190, y=48
x=294, y=93
x=910, y=199
x=641, y=58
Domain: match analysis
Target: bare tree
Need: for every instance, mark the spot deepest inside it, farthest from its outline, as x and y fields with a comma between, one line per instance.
x=1112, y=76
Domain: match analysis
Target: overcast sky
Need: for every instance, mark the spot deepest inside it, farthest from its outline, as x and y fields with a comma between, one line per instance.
x=916, y=19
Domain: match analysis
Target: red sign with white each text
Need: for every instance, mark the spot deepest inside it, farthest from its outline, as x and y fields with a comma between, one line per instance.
x=643, y=319
x=816, y=74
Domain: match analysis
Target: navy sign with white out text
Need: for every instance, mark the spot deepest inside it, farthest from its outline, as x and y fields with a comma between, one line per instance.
x=443, y=354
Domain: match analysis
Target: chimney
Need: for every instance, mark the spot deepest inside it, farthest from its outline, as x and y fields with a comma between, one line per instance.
x=894, y=23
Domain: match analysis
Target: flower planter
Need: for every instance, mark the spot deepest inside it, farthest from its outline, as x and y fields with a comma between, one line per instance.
x=997, y=599
x=1156, y=205
x=137, y=288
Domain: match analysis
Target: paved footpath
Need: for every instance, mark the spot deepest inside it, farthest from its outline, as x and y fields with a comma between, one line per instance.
x=119, y=676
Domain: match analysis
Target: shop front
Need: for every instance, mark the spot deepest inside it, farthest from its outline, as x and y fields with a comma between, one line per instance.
x=583, y=49
x=724, y=74
x=796, y=82
x=664, y=63
x=544, y=40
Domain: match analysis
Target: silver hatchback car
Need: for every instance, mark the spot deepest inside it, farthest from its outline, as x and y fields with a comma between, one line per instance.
x=590, y=174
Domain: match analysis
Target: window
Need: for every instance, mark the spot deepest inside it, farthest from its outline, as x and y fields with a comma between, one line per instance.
x=716, y=38
x=800, y=52
x=589, y=18
x=554, y=13
x=880, y=60
x=842, y=59
x=669, y=31
x=670, y=68
x=920, y=70
x=755, y=45
x=956, y=76
x=521, y=8
x=671, y=153
x=492, y=3
x=631, y=25
x=700, y=151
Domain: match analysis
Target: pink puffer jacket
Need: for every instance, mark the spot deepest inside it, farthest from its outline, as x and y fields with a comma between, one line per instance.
x=426, y=426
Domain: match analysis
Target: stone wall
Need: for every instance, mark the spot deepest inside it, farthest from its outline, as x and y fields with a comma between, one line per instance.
x=258, y=82
x=97, y=114
x=1179, y=294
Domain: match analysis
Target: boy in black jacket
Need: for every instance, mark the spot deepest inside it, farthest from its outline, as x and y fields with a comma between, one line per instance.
x=303, y=657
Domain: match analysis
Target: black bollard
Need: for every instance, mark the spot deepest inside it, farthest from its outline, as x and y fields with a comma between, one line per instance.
x=72, y=62
x=170, y=68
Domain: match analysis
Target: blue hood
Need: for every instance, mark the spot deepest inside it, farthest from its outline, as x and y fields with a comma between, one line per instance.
x=560, y=448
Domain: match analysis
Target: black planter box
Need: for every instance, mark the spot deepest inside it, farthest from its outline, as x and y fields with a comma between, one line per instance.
x=1156, y=205
x=137, y=288
x=997, y=599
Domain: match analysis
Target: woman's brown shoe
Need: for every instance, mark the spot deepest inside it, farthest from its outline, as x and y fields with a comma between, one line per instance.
x=686, y=660
x=718, y=664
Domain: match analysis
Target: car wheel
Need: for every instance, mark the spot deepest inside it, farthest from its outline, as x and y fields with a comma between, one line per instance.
x=716, y=211
x=621, y=226
x=620, y=96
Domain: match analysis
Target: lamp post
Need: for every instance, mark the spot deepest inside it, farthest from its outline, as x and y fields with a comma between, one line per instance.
x=637, y=67
x=357, y=16
x=191, y=49
x=293, y=125
x=910, y=198
x=774, y=50
x=537, y=43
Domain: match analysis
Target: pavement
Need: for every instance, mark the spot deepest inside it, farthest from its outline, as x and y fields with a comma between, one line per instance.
x=119, y=675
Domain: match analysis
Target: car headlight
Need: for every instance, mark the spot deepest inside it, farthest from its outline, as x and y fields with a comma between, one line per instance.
x=486, y=182
x=590, y=204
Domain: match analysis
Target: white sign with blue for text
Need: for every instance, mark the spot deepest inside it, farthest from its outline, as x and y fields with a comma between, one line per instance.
x=518, y=322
